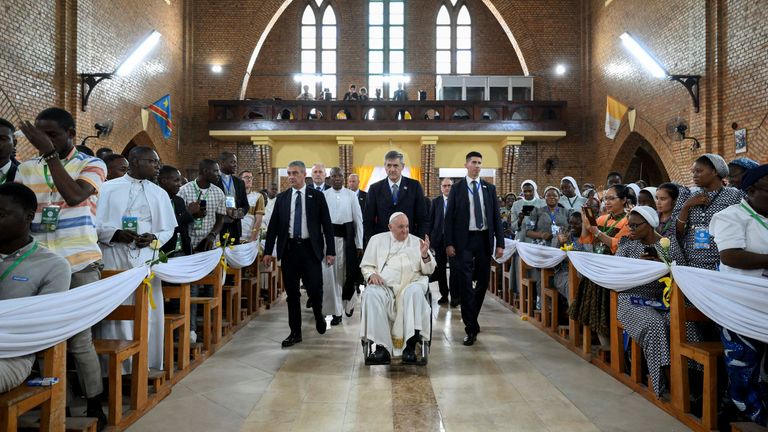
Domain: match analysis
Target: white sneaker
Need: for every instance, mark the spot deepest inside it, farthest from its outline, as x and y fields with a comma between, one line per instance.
x=192, y=336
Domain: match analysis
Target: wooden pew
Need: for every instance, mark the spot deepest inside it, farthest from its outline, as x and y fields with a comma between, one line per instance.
x=527, y=290
x=506, y=282
x=550, y=307
x=52, y=400
x=617, y=348
x=231, y=303
x=251, y=290
x=121, y=350
x=580, y=335
x=212, y=314
x=705, y=353
x=177, y=322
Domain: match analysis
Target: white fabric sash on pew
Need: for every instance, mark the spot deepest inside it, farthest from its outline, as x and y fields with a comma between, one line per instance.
x=241, y=255
x=187, y=269
x=540, y=256
x=510, y=246
x=32, y=324
x=736, y=302
x=617, y=273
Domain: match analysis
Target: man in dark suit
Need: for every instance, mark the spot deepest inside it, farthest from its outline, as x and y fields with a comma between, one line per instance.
x=7, y=149
x=353, y=184
x=180, y=244
x=301, y=228
x=437, y=240
x=236, y=196
x=472, y=224
x=395, y=193
x=318, y=178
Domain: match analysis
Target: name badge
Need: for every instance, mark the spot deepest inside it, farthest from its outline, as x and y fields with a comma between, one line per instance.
x=230, y=202
x=555, y=230
x=198, y=225
x=20, y=278
x=130, y=223
x=50, y=218
x=701, y=238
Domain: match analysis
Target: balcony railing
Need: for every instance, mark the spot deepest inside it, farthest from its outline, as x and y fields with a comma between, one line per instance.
x=288, y=115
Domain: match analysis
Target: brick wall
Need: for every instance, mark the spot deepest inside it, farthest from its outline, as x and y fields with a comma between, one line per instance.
x=53, y=41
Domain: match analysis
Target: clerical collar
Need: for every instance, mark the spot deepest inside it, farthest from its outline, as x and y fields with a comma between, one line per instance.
x=133, y=179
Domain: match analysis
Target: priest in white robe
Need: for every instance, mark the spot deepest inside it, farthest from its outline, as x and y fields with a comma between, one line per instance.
x=131, y=213
x=395, y=311
x=347, y=219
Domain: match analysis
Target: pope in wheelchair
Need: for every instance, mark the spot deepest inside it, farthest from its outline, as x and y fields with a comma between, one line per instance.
x=396, y=312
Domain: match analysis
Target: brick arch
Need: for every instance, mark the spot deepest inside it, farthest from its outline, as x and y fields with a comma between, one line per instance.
x=514, y=26
x=141, y=139
x=649, y=141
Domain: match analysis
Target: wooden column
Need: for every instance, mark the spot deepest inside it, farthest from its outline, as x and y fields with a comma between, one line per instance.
x=510, y=151
x=429, y=172
x=262, y=172
x=345, y=154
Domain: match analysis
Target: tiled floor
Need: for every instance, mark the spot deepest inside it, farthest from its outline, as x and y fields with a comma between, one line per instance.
x=514, y=378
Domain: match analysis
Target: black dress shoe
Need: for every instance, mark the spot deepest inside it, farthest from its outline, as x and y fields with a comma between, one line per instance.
x=454, y=303
x=321, y=325
x=470, y=339
x=291, y=340
x=442, y=301
x=378, y=357
x=409, y=356
x=336, y=320
x=94, y=410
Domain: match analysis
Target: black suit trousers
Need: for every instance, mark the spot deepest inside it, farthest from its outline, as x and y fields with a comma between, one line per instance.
x=472, y=263
x=440, y=275
x=299, y=263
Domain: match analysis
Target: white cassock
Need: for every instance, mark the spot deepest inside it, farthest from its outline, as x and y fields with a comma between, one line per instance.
x=126, y=196
x=392, y=314
x=343, y=207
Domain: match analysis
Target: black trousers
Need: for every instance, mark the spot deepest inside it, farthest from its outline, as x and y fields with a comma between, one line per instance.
x=299, y=263
x=441, y=276
x=472, y=263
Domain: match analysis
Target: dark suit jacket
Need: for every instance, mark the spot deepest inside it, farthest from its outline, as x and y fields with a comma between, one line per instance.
x=319, y=224
x=457, y=215
x=11, y=172
x=362, y=196
x=235, y=228
x=183, y=219
x=436, y=222
x=379, y=207
x=326, y=186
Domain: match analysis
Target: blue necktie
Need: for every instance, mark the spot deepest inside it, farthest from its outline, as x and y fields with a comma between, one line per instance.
x=297, y=217
x=394, y=193
x=477, y=205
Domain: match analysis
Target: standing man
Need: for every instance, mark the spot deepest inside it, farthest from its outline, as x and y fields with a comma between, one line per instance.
x=353, y=183
x=271, y=197
x=318, y=177
x=7, y=148
x=472, y=224
x=132, y=212
x=395, y=193
x=437, y=239
x=300, y=226
x=170, y=180
x=66, y=182
x=347, y=219
x=117, y=165
x=203, y=191
x=236, y=198
x=103, y=152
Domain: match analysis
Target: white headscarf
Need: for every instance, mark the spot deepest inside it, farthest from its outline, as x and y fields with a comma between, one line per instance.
x=647, y=213
x=535, y=189
x=651, y=190
x=573, y=182
x=635, y=188
x=549, y=188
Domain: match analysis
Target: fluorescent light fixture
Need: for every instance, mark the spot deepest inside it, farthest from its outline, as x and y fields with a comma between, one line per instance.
x=138, y=54
x=560, y=69
x=643, y=56
x=216, y=68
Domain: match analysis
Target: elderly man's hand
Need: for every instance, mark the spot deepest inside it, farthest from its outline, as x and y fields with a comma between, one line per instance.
x=424, y=246
x=375, y=279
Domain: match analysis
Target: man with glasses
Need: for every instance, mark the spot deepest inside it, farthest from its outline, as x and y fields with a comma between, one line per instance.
x=133, y=212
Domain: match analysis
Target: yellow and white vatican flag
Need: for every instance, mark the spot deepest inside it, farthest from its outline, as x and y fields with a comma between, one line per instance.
x=144, y=118
x=614, y=112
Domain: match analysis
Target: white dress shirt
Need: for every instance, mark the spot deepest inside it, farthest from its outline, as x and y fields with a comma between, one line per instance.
x=4, y=170
x=472, y=225
x=304, y=230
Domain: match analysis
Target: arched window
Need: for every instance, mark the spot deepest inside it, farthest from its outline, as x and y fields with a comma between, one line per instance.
x=386, y=46
x=453, y=39
x=318, y=47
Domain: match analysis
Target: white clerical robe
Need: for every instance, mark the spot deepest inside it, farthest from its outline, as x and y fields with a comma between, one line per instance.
x=343, y=207
x=392, y=314
x=126, y=196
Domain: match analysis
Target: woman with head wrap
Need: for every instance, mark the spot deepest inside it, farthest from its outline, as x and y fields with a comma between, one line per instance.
x=546, y=221
x=640, y=309
x=693, y=222
x=633, y=193
x=647, y=197
x=666, y=198
x=505, y=210
x=741, y=233
x=571, y=199
x=522, y=208
x=736, y=170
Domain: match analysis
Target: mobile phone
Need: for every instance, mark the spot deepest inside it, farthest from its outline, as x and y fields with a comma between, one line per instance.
x=589, y=212
x=651, y=251
x=203, y=203
x=527, y=209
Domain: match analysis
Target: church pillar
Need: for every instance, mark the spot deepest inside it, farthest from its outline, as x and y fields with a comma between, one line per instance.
x=262, y=172
x=345, y=154
x=429, y=172
x=509, y=159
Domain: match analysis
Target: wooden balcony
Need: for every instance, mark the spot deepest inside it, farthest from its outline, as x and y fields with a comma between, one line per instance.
x=241, y=119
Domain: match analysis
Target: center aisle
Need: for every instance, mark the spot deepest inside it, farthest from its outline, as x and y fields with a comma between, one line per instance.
x=515, y=378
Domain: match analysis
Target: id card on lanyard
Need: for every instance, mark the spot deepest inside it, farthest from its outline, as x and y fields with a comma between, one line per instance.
x=49, y=219
x=198, y=223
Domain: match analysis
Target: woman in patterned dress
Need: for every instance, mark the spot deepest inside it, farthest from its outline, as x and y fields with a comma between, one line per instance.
x=667, y=195
x=592, y=303
x=640, y=309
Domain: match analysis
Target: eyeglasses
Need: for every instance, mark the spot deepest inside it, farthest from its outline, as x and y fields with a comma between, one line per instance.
x=635, y=226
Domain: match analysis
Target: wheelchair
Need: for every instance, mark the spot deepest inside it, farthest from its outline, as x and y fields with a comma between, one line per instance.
x=424, y=344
